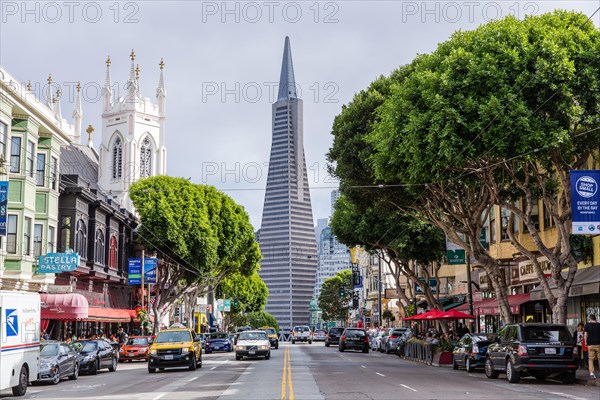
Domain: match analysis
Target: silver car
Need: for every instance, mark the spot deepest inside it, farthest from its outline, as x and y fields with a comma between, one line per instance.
x=57, y=361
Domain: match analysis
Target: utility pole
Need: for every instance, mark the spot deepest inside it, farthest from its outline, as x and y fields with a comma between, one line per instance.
x=379, y=292
x=142, y=271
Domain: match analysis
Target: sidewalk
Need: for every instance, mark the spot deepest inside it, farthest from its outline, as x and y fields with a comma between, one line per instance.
x=583, y=378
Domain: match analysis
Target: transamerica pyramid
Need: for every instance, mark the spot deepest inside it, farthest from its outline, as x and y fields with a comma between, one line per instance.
x=287, y=237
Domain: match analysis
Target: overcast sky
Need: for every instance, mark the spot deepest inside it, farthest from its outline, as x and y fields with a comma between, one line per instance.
x=222, y=65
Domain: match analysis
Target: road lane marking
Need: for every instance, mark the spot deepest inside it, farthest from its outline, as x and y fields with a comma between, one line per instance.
x=569, y=396
x=193, y=379
x=380, y=374
x=407, y=387
x=213, y=368
x=362, y=366
x=159, y=396
x=287, y=386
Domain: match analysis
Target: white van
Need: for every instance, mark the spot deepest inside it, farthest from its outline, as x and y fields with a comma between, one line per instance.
x=19, y=340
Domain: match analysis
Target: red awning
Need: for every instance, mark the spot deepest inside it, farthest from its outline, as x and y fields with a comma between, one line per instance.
x=66, y=306
x=100, y=314
x=490, y=306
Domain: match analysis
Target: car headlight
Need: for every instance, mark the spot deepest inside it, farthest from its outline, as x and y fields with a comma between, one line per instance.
x=45, y=366
x=143, y=349
x=264, y=347
x=154, y=351
x=185, y=351
x=89, y=357
x=240, y=347
x=121, y=350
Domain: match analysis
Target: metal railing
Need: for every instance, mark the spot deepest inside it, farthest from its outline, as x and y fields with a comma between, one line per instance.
x=415, y=351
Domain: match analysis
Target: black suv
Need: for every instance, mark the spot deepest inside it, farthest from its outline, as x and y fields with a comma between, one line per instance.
x=538, y=350
x=354, y=339
x=333, y=336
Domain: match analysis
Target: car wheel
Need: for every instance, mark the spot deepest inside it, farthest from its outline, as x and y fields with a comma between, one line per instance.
x=113, y=366
x=512, y=375
x=293, y=342
x=75, y=373
x=200, y=362
x=21, y=387
x=193, y=364
x=268, y=356
x=490, y=372
x=122, y=360
x=310, y=342
x=326, y=344
x=276, y=346
x=95, y=368
x=151, y=370
x=468, y=365
x=365, y=350
x=454, y=364
x=238, y=358
x=341, y=349
x=56, y=377
x=568, y=378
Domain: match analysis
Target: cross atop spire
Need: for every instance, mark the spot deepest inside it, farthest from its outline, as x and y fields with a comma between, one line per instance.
x=287, y=83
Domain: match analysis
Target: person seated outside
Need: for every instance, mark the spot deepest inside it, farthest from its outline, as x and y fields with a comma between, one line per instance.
x=177, y=323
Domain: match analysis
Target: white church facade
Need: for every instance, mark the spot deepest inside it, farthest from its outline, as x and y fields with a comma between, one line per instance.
x=133, y=136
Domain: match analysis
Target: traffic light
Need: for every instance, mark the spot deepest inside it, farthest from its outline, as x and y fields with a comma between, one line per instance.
x=342, y=292
x=236, y=303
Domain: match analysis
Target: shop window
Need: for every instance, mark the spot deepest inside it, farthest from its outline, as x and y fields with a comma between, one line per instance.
x=38, y=231
x=15, y=155
x=40, y=173
x=99, y=247
x=81, y=239
x=11, y=234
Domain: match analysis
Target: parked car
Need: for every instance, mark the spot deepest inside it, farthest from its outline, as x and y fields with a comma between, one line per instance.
x=173, y=348
x=470, y=351
x=394, y=337
x=253, y=344
x=319, y=335
x=136, y=348
x=219, y=341
x=354, y=339
x=376, y=340
x=272, y=335
x=95, y=355
x=57, y=360
x=333, y=336
x=538, y=350
x=302, y=333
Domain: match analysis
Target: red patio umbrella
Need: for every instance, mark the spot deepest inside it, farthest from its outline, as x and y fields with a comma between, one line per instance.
x=432, y=314
x=454, y=314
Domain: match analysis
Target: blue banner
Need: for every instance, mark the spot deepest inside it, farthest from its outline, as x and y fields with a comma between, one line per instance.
x=54, y=263
x=3, y=206
x=585, y=199
x=135, y=271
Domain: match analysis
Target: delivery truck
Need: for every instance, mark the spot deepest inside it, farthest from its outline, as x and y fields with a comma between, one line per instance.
x=19, y=340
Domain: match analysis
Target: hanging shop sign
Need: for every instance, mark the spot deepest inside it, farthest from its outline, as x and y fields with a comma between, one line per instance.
x=585, y=199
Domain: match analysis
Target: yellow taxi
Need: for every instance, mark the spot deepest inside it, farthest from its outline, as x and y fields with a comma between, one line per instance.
x=272, y=334
x=173, y=348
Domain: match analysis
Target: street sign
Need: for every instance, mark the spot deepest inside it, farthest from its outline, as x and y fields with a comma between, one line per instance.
x=454, y=253
x=3, y=206
x=53, y=263
x=135, y=270
x=227, y=305
x=432, y=284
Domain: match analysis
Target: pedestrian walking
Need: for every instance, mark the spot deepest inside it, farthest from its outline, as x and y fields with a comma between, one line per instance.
x=592, y=339
x=578, y=335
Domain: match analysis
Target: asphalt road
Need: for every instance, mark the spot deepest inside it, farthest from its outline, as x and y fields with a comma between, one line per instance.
x=304, y=371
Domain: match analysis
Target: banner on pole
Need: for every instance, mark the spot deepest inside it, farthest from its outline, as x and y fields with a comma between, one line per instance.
x=3, y=206
x=585, y=199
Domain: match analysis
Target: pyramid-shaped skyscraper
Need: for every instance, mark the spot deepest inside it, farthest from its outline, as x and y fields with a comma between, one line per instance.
x=287, y=237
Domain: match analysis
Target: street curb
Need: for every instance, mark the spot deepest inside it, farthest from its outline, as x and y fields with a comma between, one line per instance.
x=588, y=382
x=441, y=365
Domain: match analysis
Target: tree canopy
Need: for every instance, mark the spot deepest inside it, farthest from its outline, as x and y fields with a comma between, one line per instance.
x=334, y=306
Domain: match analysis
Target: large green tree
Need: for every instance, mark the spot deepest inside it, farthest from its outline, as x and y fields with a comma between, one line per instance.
x=498, y=115
x=258, y=319
x=249, y=293
x=334, y=306
x=200, y=234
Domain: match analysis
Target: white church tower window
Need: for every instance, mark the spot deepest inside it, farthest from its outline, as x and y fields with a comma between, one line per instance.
x=117, y=161
x=145, y=159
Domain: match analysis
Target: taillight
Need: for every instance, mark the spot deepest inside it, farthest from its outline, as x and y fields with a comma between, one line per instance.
x=393, y=337
x=366, y=339
x=343, y=337
x=522, y=350
x=575, y=352
x=475, y=349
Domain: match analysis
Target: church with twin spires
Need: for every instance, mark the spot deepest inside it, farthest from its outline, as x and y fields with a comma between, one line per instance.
x=133, y=135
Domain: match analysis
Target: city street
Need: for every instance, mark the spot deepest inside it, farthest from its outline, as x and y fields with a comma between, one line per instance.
x=317, y=372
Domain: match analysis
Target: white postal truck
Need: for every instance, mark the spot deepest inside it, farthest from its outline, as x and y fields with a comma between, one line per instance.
x=19, y=340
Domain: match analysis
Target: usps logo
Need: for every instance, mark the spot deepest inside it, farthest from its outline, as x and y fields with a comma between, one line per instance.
x=12, y=322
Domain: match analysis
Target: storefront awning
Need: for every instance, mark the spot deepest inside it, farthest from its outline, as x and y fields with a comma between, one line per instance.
x=63, y=306
x=490, y=306
x=100, y=314
x=586, y=281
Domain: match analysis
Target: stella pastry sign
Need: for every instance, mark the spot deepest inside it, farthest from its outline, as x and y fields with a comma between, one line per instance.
x=53, y=263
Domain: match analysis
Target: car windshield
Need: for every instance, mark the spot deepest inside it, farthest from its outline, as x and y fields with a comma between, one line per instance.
x=89, y=346
x=480, y=338
x=355, y=332
x=319, y=332
x=49, y=350
x=173, y=336
x=301, y=329
x=335, y=330
x=253, y=336
x=218, y=335
x=398, y=332
x=546, y=334
x=138, y=341
x=270, y=331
